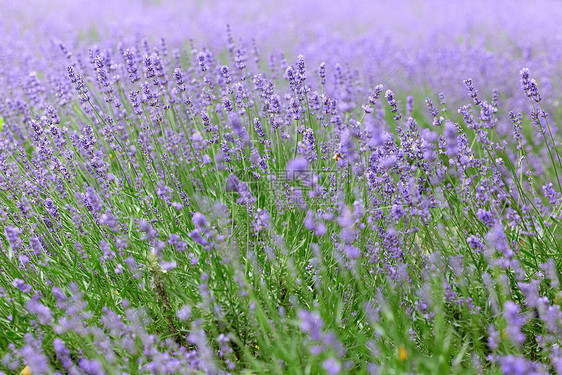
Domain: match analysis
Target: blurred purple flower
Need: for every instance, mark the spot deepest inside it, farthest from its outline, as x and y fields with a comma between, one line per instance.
x=297, y=169
x=332, y=366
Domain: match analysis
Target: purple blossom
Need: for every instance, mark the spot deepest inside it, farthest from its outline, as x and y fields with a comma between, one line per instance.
x=311, y=323
x=512, y=365
x=21, y=285
x=200, y=221
x=515, y=322
x=233, y=183
x=91, y=367
x=493, y=337
x=43, y=312
x=184, y=313
x=486, y=217
x=12, y=234
x=332, y=366
x=475, y=243
x=32, y=354
x=497, y=239
x=167, y=266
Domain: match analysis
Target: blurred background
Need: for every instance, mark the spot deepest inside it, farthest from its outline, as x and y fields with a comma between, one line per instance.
x=426, y=45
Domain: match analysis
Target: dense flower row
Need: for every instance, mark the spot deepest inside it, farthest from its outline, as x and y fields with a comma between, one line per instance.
x=177, y=208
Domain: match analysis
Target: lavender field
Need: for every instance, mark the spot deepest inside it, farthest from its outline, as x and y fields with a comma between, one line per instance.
x=280, y=187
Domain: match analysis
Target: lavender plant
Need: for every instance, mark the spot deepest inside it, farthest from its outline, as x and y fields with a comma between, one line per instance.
x=225, y=205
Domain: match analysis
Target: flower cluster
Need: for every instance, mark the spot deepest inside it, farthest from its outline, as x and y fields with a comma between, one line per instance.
x=195, y=206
